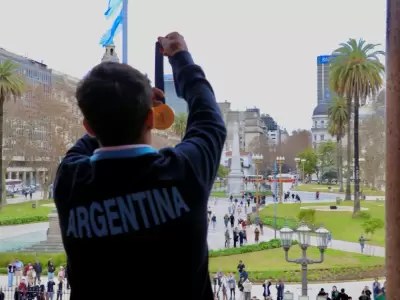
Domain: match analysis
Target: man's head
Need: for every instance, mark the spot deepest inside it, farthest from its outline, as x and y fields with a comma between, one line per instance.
x=116, y=102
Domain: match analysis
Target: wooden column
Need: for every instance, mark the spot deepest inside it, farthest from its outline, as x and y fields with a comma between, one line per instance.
x=393, y=150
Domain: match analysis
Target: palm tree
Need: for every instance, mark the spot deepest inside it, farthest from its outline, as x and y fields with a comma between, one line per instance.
x=179, y=126
x=338, y=117
x=11, y=87
x=355, y=74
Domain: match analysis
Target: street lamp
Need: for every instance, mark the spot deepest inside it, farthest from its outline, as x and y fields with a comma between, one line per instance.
x=297, y=160
x=303, y=161
x=280, y=160
x=304, y=237
x=257, y=158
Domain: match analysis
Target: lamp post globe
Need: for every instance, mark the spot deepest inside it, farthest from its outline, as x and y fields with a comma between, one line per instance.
x=297, y=159
x=286, y=235
x=361, y=159
x=304, y=235
x=322, y=237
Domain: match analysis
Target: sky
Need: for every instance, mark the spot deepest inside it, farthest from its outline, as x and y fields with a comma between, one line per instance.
x=255, y=53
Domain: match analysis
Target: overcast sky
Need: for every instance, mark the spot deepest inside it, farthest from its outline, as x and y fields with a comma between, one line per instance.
x=255, y=53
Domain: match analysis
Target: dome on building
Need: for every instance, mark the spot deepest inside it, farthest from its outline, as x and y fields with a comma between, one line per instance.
x=321, y=109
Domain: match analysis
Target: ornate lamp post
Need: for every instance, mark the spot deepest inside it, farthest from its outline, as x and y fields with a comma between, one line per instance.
x=304, y=236
x=303, y=161
x=297, y=160
x=257, y=158
x=280, y=160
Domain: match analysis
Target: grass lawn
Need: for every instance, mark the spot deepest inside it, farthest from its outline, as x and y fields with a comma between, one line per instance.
x=272, y=264
x=313, y=187
x=340, y=223
x=24, y=210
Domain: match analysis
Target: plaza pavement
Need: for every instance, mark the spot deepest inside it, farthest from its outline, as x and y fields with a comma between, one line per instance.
x=352, y=288
x=216, y=238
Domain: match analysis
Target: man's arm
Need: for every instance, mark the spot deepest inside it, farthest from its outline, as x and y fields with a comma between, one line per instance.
x=205, y=132
x=83, y=148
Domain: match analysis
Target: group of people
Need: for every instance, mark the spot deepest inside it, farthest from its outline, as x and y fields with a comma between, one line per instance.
x=377, y=292
x=227, y=286
x=28, y=280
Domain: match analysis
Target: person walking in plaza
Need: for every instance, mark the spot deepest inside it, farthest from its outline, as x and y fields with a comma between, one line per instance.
x=10, y=271
x=60, y=288
x=247, y=287
x=267, y=289
x=214, y=221
x=226, y=220
x=256, y=235
x=229, y=209
x=362, y=243
x=50, y=289
x=37, y=266
x=232, y=286
x=241, y=237
x=50, y=269
x=334, y=293
x=18, y=269
x=280, y=287
x=232, y=220
x=227, y=238
x=376, y=288
x=235, y=237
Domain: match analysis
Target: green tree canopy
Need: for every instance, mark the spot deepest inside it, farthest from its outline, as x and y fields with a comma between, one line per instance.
x=311, y=160
x=222, y=171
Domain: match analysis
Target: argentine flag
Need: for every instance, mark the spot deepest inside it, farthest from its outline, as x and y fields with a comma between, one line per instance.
x=108, y=37
x=113, y=5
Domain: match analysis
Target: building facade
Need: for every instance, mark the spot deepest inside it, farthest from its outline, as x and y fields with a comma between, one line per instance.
x=171, y=98
x=250, y=125
x=29, y=169
x=320, y=118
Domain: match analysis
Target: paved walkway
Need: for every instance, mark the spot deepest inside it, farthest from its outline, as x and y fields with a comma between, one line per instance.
x=216, y=238
x=352, y=288
x=20, y=198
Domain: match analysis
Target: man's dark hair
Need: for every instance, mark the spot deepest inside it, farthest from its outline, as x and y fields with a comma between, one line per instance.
x=115, y=100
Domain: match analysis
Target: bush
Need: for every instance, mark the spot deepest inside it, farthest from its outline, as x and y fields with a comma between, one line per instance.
x=307, y=215
x=23, y=220
x=364, y=215
x=280, y=222
x=272, y=244
x=7, y=257
x=372, y=225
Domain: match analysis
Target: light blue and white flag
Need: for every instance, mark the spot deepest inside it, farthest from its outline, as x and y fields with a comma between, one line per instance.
x=108, y=37
x=113, y=5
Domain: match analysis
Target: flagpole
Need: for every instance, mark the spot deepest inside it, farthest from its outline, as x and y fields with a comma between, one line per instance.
x=125, y=31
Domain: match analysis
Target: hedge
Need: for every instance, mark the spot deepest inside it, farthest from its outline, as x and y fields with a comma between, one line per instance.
x=323, y=274
x=271, y=244
x=23, y=220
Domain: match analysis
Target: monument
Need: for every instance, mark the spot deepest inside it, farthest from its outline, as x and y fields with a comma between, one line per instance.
x=53, y=244
x=235, y=176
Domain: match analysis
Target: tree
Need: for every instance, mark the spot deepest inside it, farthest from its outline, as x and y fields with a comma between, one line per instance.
x=11, y=87
x=311, y=158
x=54, y=125
x=338, y=118
x=326, y=156
x=179, y=126
x=355, y=74
x=372, y=225
x=261, y=145
x=372, y=143
x=222, y=171
x=297, y=142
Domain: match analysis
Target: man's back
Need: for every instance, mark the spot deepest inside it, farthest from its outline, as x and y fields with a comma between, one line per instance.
x=137, y=217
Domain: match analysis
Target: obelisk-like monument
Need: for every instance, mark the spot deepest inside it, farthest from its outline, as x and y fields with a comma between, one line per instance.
x=235, y=177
